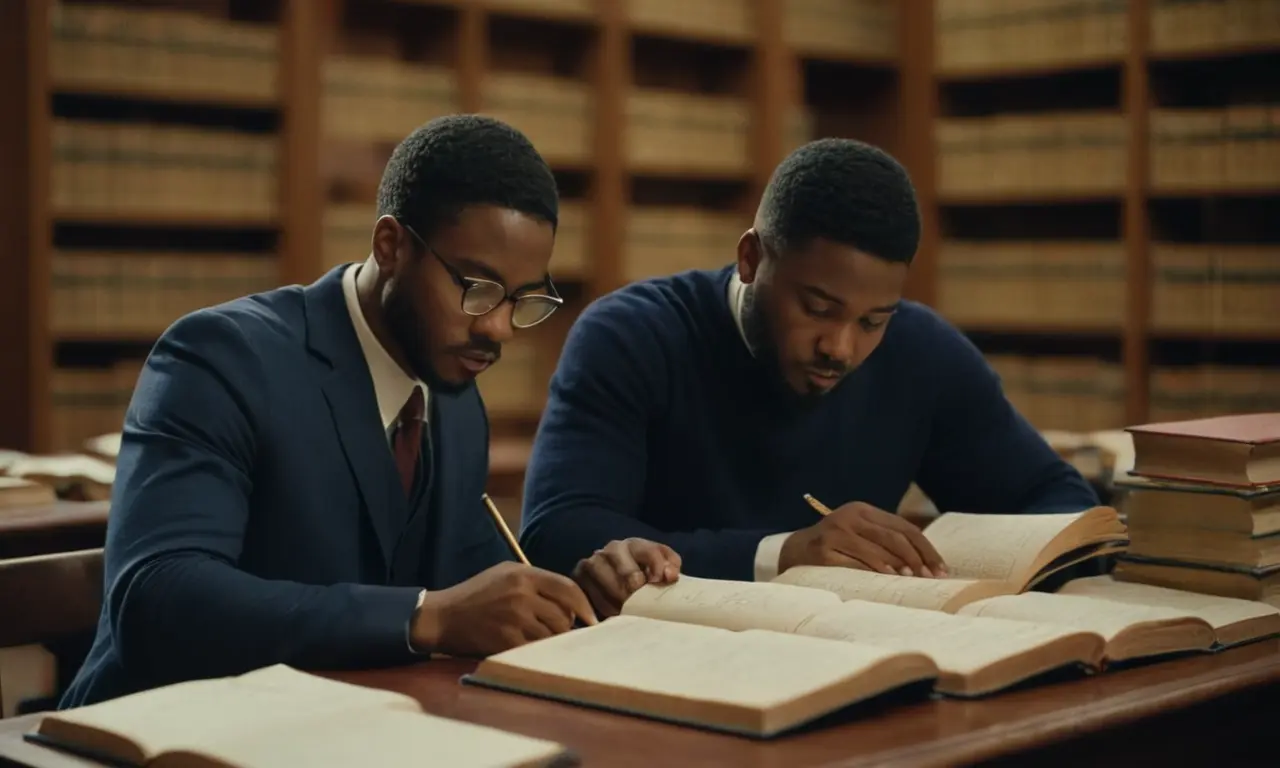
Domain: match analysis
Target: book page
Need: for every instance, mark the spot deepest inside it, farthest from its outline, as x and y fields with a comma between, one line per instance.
x=1104, y=617
x=959, y=644
x=853, y=584
x=1002, y=547
x=377, y=737
x=209, y=712
x=735, y=605
x=754, y=669
x=1218, y=611
x=65, y=467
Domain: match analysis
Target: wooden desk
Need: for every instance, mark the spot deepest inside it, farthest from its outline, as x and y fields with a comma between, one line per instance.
x=1204, y=710
x=62, y=527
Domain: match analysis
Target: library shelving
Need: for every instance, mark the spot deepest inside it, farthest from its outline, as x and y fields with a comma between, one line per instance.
x=1097, y=177
x=1108, y=187
x=143, y=176
x=264, y=127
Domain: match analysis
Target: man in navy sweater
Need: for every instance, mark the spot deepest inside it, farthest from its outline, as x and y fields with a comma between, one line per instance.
x=697, y=409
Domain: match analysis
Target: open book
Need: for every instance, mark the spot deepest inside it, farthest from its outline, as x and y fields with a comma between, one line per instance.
x=980, y=645
x=986, y=556
x=1131, y=630
x=16, y=492
x=1234, y=621
x=754, y=683
x=279, y=716
x=1023, y=550
x=975, y=656
x=74, y=475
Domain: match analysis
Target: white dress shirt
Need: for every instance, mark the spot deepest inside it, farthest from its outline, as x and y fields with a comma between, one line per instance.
x=391, y=385
x=769, y=551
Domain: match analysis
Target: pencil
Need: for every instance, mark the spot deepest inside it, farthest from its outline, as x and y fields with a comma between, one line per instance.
x=821, y=508
x=502, y=526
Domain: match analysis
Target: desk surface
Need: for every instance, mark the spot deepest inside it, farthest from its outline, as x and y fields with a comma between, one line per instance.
x=924, y=734
x=929, y=733
x=62, y=526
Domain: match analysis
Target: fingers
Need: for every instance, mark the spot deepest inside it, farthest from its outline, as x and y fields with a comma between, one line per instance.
x=842, y=560
x=550, y=619
x=932, y=559
x=912, y=554
x=857, y=546
x=659, y=562
x=605, y=606
x=619, y=557
x=597, y=578
x=562, y=591
x=898, y=545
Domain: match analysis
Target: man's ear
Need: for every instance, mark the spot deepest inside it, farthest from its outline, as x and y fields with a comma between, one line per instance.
x=387, y=238
x=750, y=253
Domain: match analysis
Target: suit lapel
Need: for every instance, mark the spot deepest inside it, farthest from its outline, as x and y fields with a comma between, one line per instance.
x=355, y=417
x=353, y=407
x=443, y=538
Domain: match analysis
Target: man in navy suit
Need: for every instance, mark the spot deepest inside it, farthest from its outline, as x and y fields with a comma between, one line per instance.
x=301, y=471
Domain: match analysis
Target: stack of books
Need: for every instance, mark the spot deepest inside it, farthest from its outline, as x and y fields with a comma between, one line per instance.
x=1203, y=507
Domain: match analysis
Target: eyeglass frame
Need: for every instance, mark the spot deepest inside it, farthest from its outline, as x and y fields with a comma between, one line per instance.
x=552, y=296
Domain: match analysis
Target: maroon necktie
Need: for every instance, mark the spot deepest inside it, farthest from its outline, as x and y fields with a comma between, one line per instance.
x=407, y=442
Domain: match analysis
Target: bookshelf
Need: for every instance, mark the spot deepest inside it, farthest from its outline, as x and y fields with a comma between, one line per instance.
x=661, y=119
x=1096, y=176
x=1107, y=198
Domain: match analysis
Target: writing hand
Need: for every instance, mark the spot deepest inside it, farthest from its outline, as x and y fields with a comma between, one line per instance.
x=614, y=572
x=858, y=535
x=505, y=606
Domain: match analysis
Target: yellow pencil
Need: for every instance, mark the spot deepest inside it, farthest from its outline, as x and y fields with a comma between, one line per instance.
x=821, y=508
x=502, y=526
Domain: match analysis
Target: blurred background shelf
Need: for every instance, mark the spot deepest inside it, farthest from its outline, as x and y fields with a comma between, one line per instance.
x=1099, y=179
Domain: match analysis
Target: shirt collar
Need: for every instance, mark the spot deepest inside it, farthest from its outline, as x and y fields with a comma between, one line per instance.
x=391, y=385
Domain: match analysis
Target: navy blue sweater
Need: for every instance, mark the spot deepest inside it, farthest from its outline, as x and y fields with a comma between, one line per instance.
x=660, y=424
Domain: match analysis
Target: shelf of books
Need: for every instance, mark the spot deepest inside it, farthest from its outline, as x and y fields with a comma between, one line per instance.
x=1107, y=198
x=179, y=153
x=161, y=191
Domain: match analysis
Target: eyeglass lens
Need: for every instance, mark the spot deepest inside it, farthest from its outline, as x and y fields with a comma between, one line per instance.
x=529, y=310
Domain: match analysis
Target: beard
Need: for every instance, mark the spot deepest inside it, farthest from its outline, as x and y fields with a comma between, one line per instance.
x=761, y=334
x=410, y=332
x=756, y=325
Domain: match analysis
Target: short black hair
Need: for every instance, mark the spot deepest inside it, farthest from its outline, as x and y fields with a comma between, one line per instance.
x=457, y=161
x=845, y=191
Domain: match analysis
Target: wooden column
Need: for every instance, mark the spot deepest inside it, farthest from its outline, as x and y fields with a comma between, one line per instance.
x=777, y=91
x=1136, y=225
x=610, y=187
x=918, y=112
x=26, y=237
x=305, y=29
x=473, y=55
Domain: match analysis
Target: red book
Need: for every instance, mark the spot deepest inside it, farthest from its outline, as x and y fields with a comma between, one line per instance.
x=1241, y=450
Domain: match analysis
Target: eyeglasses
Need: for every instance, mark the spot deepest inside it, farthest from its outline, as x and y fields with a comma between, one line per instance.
x=481, y=296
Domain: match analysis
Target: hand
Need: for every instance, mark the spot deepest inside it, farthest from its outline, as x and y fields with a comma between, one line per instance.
x=503, y=607
x=611, y=574
x=858, y=535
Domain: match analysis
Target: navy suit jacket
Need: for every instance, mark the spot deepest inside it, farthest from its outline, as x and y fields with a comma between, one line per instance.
x=254, y=513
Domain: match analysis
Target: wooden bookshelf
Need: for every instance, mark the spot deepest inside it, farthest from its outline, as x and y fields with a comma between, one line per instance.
x=611, y=91
x=1098, y=180
x=1107, y=192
